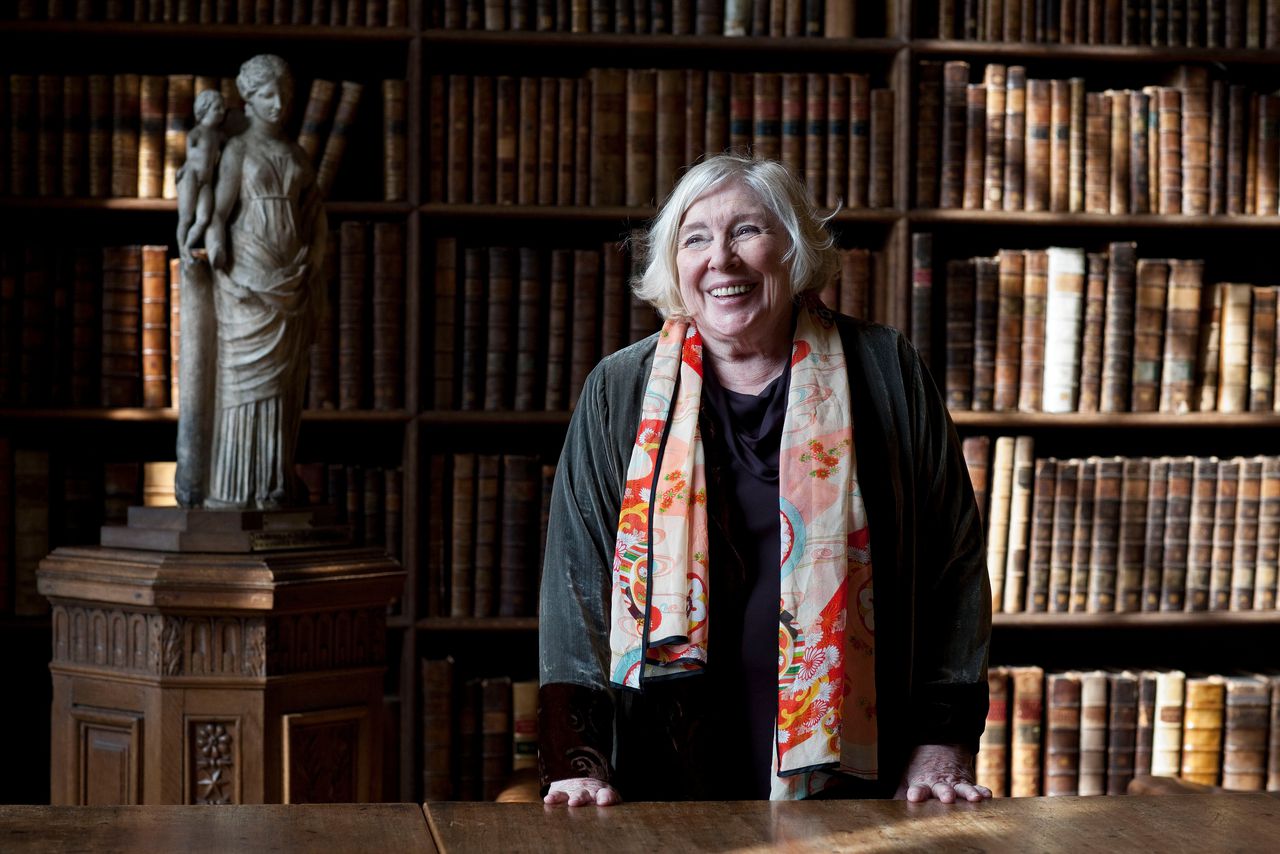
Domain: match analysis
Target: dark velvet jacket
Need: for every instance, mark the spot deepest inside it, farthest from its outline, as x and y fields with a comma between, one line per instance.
x=932, y=595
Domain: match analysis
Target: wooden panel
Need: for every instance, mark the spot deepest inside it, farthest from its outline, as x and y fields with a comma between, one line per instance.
x=327, y=756
x=110, y=756
x=332, y=828
x=1215, y=822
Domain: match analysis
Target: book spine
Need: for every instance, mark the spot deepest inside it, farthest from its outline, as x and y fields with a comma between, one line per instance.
x=1028, y=705
x=1182, y=332
x=394, y=140
x=1016, y=559
x=766, y=116
x=1097, y=172
x=1136, y=476
x=879, y=185
x=1104, y=552
x=1139, y=162
x=437, y=729
x=446, y=301
x=352, y=262
x=996, y=83
x=1118, y=328
x=1015, y=141
x=815, y=138
x=459, y=140
x=1145, y=729
x=993, y=745
x=48, y=133
x=1244, y=737
x=566, y=138
x=344, y=120
x=528, y=327
x=1202, y=730
x=125, y=107
x=1093, y=733
x=548, y=158
x=977, y=451
x=155, y=327
x=1002, y=477
x=557, y=398
x=1034, y=295
x=1041, y=548
x=1268, y=567
x=507, y=120
x=1062, y=734
x=121, y=321
x=1204, y=491
x=960, y=337
x=974, y=153
x=1224, y=527
x=1121, y=730
x=838, y=86
x=1039, y=126
x=1063, y=535
x=1166, y=749
x=1244, y=555
x=640, y=135
x=484, y=578
x=855, y=282
x=1009, y=323
x=1233, y=379
x=1076, y=146
x=613, y=302
x=670, y=131
x=1153, y=533
x=922, y=295
x=1064, y=308
x=1059, y=145
x=1091, y=338
x=1152, y=284
x=986, y=304
x=1196, y=151
x=955, y=81
x=1177, y=533
x=388, y=315
x=1082, y=549
x=583, y=344
x=1262, y=351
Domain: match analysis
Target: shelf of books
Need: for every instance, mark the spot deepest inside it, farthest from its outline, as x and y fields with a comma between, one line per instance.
x=1066, y=212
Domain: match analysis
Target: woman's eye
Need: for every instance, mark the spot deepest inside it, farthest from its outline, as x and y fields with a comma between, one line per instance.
x=694, y=240
x=746, y=230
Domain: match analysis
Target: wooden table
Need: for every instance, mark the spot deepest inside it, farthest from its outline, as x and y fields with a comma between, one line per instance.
x=1196, y=823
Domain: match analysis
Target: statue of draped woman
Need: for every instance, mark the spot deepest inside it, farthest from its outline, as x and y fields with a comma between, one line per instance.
x=264, y=245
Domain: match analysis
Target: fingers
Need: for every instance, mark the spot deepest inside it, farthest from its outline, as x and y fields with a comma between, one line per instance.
x=582, y=792
x=947, y=793
x=556, y=797
x=607, y=797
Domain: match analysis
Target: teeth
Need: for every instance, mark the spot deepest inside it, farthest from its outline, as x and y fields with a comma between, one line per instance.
x=731, y=291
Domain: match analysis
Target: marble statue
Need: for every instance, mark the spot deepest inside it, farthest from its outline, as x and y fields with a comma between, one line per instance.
x=195, y=178
x=250, y=305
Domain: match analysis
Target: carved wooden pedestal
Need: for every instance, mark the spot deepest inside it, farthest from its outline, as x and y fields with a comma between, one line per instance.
x=217, y=678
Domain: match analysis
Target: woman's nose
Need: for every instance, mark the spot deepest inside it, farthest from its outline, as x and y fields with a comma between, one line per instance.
x=723, y=254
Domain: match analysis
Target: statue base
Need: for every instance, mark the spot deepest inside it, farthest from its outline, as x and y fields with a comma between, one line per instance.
x=179, y=529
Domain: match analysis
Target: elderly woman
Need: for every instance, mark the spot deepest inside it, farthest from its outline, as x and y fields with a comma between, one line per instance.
x=265, y=242
x=764, y=572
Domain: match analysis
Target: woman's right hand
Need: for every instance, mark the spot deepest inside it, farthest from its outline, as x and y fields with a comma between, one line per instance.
x=581, y=791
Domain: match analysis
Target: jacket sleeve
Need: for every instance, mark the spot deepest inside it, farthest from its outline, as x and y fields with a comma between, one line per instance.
x=952, y=590
x=575, y=718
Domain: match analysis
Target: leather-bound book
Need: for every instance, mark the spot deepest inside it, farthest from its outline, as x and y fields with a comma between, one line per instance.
x=506, y=165
x=993, y=744
x=1244, y=556
x=125, y=106
x=1064, y=309
x=1082, y=548
x=610, y=169
x=1024, y=756
x=98, y=167
x=458, y=143
x=922, y=295
x=48, y=134
x=718, y=137
x=1153, y=533
x=1091, y=338
x=1233, y=380
x=855, y=282
x=444, y=322
x=947, y=18
x=838, y=87
x=1182, y=335
x=558, y=326
x=151, y=105
x=986, y=304
x=498, y=350
x=975, y=138
x=1264, y=586
x=955, y=82
x=388, y=315
x=737, y=17
x=524, y=725
x=1224, y=534
x=1152, y=156
x=659, y=12
x=1118, y=329
x=1014, y=20
x=572, y=123
x=1262, y=351
x=1139, y=151
x=1237, y=142
x=977, y=451
x=1159, y=24
x=35, y=326
x=1208, y=367
x=766, y=116
x=1144, y=731
x=1193, y=81
x=528, y=329
x=959, y=334
x=1268, y=135
x=485, y=578
x=1059, y=145
x=438, y=739
x=322, y=382
x=815, y=138
x=1041, y=539
x=1034, y=294
x=155, y=327
x=1251, y=157
x=549, y=122
x=1002, y=465
x=470, y=711
x=121, y=322
x=1063, y=535
x=521, y=491
x=1120, y=147
x=669, y=138
x=1093, y=733
x=1218, y=121
x=694, y=97
x=994, y=78
x=1271, y=30
x=1202, y=725
x=1062, y=733
x=584, y=347
x=1244, y=736
x=1076, y=144
x=1009, y=322
x=74, y=129
x=316, y=115
x=1152, y=285
x=1104, y=550
x=1039, y=125
x=475, y=284
x=1016, y=557
x=1136, y=475
x=709, y=18
x=86, y=285
x=1121, y=730
x=643, y=320
x=335, y=146
x=1176, y=543
x=1166, y=749
x=880, y=183
x=1015, y=140
x=1204, y=494
x=641, y=129
x=1097, y=170
x=929, y=121
x=741, y=99
x=614, y=303
x=484, y=140
x=438, y=544
x=525, y=148
x=180, y=95
x=352, y=266
x=1273, y=739
x=495, y=738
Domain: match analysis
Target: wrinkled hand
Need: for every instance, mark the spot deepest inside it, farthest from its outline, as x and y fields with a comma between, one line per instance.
x=942, y=771
x=582, y=791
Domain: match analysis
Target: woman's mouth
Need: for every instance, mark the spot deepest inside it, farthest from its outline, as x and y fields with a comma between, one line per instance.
x=731, y=290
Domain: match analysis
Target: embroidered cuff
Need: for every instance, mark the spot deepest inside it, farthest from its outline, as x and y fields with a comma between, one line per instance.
x=575, y=733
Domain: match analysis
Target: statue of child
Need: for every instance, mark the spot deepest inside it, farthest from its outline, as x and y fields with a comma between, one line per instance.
x=196, y=177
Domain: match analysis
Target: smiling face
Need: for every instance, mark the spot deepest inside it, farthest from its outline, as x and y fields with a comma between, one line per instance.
x=733, y=279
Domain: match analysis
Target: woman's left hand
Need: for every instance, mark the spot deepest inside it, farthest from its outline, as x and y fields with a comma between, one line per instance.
x=942, y=771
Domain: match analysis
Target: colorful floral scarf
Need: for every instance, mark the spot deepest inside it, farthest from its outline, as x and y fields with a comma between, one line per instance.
x=826, y=632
